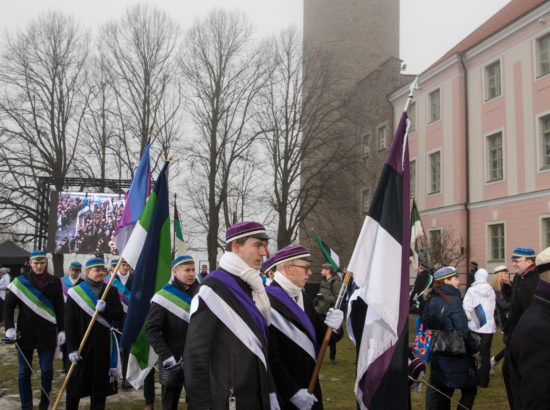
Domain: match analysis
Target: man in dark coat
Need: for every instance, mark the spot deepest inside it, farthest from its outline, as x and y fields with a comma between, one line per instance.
x=67, y=282
x=39, y=297
x=226, y=360
x=296, y=330
x=523, y=289
x=98, y=366
x=166, y=327
x=529, y=346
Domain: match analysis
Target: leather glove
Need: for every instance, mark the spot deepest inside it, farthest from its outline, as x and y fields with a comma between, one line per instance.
x=61, y=338
x=273, y=402
x=169, y=362
x=10, y=334
x=334, y=319
x=74, y=357
x=100, y=305
x=303, y=400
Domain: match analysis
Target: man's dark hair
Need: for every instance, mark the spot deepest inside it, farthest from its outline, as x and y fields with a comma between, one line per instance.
x=240, y=242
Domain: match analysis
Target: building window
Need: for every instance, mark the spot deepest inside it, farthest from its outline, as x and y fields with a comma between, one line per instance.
x=543, y=55
x=366, y=148
x=545, y=141
x=435, y=106
x=382, y=138
x=436, y=248
x=365, y=200
x=496, y=242
x=435, y=172
x=492, y=80
x=412, y=117
x=413, y=176
x=494, y=157
x=545, y=233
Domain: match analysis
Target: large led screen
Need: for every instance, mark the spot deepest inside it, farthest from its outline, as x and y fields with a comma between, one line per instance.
x=85, y=222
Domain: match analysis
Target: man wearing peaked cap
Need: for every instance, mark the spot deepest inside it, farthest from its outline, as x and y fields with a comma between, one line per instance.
x=67, y=282
x=97, y=368
x=40, y=324
x=523, y=289
x=166, y=327
x=227, y=332
x=296, y=330
x=530, y=345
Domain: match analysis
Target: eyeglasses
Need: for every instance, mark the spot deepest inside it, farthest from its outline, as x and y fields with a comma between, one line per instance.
x=305, y=268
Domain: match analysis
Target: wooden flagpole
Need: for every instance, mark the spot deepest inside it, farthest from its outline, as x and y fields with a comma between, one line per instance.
x=86, y=335
x=328, y=334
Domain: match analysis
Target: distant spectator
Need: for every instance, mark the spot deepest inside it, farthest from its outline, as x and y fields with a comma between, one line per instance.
x=503, y=292
x=4, y=282
x=470, y=278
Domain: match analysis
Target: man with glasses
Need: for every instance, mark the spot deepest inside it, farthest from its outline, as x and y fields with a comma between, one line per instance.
x=523, y=288
x=296, y=330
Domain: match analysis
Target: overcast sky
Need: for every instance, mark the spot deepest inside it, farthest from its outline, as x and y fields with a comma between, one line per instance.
x=429, y=28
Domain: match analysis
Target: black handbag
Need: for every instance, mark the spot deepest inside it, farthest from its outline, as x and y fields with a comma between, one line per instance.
x=448, y=343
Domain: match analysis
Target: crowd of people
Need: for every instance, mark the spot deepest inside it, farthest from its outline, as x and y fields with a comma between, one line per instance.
x=86, y=224
x=516, y=303
x=250, y=344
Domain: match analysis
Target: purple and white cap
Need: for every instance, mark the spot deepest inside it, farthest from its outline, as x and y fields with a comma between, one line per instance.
x=288, y=253
x=245, y=229
x=268, y=263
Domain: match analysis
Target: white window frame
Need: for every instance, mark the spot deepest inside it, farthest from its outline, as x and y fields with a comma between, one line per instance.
x=412, y=116
x=365, y=203
x=429, y=173
x=486, y=80
x=540, y=151
x=366, y=145
x=538, y=71
x=489, y=239
x=488, y=180
x=432, y=120
x=382, y=145
x=542, y=221
x=413, y=177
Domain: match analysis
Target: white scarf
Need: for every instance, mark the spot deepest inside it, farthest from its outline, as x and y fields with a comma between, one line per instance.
x=234, y=264
x=73, y=281
x=295, y=292
x=123, y=278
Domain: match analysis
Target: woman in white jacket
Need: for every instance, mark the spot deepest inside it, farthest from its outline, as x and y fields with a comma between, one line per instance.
x=479, y=304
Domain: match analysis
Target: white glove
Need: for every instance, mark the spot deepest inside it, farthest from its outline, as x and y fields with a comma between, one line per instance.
x=303, y=400
x=273, y=402
x=10, y=334
x=169, y=362
x=60, y=338
x=112, y=376
x=100, y=305
x=74, y=357
x=334, y=318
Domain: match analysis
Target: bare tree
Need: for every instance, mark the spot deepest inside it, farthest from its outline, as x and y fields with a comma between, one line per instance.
x=446, y=249
x=224, y=74
x=297, y=119
x=140, y=51
x=42, y=106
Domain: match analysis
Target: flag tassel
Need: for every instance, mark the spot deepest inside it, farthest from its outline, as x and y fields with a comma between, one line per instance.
x=87, y=334
x=328, y=334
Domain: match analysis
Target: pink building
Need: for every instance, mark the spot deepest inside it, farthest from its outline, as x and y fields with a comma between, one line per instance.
x=480, y=138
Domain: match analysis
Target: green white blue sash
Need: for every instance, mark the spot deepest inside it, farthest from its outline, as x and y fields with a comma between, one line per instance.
x=86, y=299
x=33, y=298
x=173, y=300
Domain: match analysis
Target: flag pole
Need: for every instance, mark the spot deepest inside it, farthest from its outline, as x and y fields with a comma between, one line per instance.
x=87, y=334
x=174, y=234
x=328, y=334
x=414, y=86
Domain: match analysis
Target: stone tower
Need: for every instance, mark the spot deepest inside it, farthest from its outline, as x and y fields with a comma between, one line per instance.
x=361, y=38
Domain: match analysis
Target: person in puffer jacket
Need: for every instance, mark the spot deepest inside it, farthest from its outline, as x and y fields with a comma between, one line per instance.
x=479, y=305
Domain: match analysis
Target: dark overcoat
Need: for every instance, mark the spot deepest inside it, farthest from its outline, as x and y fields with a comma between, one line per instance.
x=530, y=356
x=35, y=331
x=291, y=366
x=91, y=374
x=451, y=371
x=217, y=363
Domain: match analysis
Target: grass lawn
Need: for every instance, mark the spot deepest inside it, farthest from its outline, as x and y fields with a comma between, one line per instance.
x=336, y=381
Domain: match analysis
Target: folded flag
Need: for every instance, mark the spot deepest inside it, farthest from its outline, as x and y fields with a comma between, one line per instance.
x=478, y=317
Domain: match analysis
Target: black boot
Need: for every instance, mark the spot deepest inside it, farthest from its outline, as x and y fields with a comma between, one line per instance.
x=44, y=402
